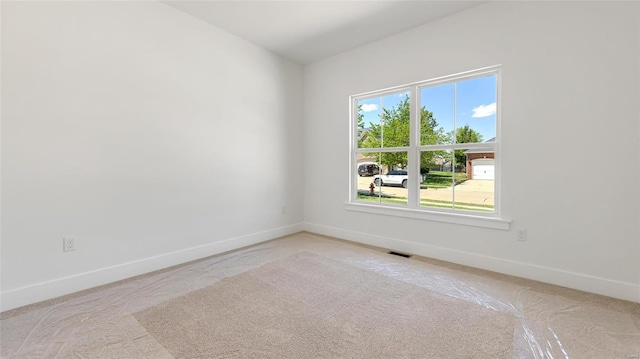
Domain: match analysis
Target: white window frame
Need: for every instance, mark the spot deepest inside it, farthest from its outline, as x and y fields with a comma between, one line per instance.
x=413, y=209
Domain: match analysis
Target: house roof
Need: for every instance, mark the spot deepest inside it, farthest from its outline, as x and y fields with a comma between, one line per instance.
x=363, y=132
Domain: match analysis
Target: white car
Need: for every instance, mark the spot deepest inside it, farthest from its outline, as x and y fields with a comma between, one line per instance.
x=395, y=177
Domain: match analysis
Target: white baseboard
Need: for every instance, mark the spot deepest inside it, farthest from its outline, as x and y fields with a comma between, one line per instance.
x=583, y=282
x=22, y=296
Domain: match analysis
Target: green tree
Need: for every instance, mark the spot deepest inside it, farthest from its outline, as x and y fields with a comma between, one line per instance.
x=465, y=135
x=394, y=131
x=361, y=128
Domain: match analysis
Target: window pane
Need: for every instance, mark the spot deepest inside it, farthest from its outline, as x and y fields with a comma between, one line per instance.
x=474, y=171
x=436, y=189
x=390, y=184
x=476, y=110
x=368, y=166
x=395, y=120
x=458, y=179
x=384, y=121
x=436, y=114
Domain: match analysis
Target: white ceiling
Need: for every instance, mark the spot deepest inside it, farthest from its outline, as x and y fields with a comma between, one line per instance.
x=306, y=31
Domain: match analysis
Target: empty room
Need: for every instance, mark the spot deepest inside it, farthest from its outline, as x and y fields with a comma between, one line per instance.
x=320, y=179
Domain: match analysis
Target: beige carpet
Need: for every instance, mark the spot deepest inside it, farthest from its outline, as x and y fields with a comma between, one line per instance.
x=309, y=306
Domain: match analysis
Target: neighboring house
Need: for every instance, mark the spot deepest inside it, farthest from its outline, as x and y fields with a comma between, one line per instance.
x=362, y=159
x=443, y=162
x=480, y=164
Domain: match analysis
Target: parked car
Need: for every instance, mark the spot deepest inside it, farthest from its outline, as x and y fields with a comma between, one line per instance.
x=395, y=177
x=368, y=169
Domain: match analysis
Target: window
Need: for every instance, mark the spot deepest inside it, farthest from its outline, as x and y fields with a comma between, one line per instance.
x=429, y=147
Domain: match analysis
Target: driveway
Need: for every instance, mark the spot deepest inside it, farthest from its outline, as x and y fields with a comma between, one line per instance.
x=469, y=191
x=476, y=186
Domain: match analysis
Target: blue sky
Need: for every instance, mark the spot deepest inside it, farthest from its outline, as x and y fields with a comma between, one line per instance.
x=475, y=104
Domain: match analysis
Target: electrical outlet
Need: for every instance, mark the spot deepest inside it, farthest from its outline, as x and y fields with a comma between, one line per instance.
x=522, y=234
x=68, y=244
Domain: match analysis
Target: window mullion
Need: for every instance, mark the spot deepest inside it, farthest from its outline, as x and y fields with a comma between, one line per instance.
x=413, y=160
x=453, y=153
x=484, y=145
x=353, y=161
x=386, y=149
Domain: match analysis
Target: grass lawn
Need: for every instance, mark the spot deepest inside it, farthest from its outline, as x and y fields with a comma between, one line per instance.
x=383, y=199
x=426, y=202
x=458, y=205
x=441, y=179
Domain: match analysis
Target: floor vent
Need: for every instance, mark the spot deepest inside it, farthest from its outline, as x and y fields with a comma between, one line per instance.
x=400, y=254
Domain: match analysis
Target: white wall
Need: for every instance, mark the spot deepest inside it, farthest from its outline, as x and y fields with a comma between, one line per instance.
x=155, y=138
x=570, y=110
x=152, y=137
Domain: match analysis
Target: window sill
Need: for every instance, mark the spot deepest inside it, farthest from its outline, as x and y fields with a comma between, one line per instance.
x=455, y=218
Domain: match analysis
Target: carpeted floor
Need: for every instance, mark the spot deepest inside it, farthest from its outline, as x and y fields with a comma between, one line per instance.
x=308, y=305
x=396, y=307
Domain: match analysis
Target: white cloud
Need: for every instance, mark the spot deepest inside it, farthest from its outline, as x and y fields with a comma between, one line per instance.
x=484, y=110
x=368, y=107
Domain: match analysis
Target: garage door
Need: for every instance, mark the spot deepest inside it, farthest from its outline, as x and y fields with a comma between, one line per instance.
x=483, y=168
